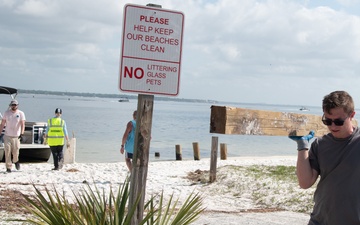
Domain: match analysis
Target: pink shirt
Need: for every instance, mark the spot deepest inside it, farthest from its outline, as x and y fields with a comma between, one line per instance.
x=13, y=122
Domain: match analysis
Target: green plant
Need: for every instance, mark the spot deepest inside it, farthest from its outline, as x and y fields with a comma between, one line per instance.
x=170, y=215
x=93, y=207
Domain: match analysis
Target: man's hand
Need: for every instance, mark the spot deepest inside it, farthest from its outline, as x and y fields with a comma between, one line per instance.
x=303, y=141
x=20, y=137
x=67, y=144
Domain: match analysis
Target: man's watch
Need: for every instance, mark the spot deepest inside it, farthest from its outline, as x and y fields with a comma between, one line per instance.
x=122, y=146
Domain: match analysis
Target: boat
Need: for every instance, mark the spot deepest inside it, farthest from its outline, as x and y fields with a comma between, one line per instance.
x=32, y=144
x=303, y=108
x=124, y=100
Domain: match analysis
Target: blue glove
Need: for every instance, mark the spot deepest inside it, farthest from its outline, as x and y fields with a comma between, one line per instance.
x=303, y=141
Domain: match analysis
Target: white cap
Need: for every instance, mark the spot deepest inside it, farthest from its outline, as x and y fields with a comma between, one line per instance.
x=13, y=102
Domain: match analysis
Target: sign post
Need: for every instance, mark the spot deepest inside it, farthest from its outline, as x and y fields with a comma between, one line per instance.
x=150, y=64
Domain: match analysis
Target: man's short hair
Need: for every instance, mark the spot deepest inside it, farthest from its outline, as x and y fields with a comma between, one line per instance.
x=338, y=99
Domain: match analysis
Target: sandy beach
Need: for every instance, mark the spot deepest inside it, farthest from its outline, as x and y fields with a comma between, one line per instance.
x=229, y=200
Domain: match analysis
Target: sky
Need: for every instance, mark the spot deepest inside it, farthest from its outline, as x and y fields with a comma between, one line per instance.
x=267, y=51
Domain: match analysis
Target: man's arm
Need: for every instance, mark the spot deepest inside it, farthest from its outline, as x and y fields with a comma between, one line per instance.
x=65, y=132
x=3, y=122
x=306, y=175
x=22, y=126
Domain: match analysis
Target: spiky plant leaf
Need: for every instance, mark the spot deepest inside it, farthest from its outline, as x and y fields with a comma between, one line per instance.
x=92, y=207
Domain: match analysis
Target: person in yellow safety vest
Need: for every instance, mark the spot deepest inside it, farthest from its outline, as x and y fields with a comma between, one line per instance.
x=55, y=133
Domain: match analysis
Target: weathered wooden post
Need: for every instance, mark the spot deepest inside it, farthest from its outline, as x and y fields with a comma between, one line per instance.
x=141, y=156
x=223, y=151
x=196, y=150
x=178, y=153
x=213, y=159
x=69, y=153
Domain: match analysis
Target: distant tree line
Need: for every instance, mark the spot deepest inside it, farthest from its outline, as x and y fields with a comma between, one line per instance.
x=119, y=96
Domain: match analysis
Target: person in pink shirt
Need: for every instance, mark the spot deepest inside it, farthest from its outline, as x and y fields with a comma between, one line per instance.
x=14, y=123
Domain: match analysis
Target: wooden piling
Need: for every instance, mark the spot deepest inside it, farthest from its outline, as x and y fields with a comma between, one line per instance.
x=178, y=153
x=223, y=151
x=196, y=150
x=213, y=159
x=69, y=152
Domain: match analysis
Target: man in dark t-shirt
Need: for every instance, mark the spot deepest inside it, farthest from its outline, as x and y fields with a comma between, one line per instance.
x=335, y=157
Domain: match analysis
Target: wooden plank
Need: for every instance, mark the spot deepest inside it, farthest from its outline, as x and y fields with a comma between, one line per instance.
x=231, y=120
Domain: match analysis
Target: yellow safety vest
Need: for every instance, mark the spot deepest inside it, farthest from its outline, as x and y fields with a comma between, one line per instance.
x=55, y=134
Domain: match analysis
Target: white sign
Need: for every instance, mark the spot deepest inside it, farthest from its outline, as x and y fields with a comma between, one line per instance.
x=151, y=50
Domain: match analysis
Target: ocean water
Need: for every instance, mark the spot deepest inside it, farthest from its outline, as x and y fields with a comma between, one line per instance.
x=98, y=125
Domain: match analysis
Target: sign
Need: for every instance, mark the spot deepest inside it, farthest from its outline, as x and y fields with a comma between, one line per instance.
x=151, y=50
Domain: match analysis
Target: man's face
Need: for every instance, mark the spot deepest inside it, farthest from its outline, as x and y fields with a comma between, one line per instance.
x=14, y=107
x=337, y=117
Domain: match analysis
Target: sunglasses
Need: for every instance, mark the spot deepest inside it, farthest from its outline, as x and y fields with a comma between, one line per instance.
x=337, y=122
x=13, y=105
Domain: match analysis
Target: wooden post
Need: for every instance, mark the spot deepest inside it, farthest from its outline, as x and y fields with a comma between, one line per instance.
x=178, y=153
x=213, y=159
x=196, y=150
x=223, y=151
x=141, y=156
x=69, y=153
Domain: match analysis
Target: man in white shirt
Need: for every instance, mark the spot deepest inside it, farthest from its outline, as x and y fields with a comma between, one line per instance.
x=14, y=123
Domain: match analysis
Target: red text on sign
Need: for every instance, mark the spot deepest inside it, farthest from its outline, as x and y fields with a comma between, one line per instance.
x=161, y=40
x=138, y=72
x=163, y=31
x=153, y=82
x=143, y=28
x=156, y=75
x=161, y=68
x=151, y=19
x=156, y=30
x=136, y=37
x=152, y=48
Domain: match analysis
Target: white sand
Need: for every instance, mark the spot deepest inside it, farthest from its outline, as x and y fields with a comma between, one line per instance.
x=167, y=176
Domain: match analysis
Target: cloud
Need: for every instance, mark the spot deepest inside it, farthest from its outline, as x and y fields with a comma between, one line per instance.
x=36, y=8
x=272, y=51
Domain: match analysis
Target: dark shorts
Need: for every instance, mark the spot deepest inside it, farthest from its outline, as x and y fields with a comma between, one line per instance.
x=128, y=155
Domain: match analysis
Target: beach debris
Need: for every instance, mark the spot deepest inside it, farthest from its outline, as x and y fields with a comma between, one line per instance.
x=198, y=176
x=231, y=120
